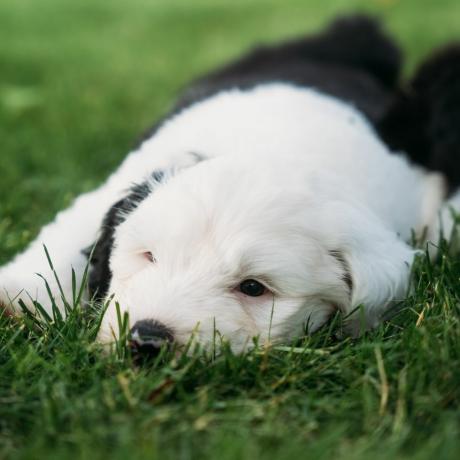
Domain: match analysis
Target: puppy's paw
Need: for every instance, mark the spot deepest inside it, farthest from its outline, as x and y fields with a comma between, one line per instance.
x=17, y=290
x=4, y=310
x=7, y=305
x=9, y=297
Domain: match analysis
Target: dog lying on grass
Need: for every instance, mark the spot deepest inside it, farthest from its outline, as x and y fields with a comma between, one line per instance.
x=281, y=189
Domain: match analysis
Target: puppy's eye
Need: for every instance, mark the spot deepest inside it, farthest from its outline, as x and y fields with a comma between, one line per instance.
x=252, y=288
x=149, y=256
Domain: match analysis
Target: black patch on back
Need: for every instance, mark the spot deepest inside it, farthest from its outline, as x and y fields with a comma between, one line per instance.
x=100, y=274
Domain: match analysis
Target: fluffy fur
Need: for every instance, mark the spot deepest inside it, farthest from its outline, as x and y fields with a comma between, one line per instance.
x=269, y=169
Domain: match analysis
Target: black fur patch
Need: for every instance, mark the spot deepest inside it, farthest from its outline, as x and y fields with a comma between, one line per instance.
x=100, y=274
x=424, y=119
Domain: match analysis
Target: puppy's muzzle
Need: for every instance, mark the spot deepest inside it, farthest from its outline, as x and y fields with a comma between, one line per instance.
x=148, y=337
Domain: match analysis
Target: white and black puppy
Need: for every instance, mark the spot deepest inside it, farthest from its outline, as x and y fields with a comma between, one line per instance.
x=269, y=199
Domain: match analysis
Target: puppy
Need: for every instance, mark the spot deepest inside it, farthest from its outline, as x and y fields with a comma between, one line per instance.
x=269, y=199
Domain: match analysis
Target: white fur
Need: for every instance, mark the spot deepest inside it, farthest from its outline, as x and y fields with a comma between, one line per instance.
x=291, y=177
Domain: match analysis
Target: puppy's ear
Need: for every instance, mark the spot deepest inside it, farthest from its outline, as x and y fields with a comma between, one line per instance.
x=376, y=264
x=100, y=274
x=381, y=273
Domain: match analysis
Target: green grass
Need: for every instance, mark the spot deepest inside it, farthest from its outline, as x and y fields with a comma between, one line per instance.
x=79, y=82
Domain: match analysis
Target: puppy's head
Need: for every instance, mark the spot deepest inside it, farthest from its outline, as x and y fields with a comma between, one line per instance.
x=231, y=248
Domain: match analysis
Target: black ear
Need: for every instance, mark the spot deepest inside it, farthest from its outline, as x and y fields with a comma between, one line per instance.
x=100, y=274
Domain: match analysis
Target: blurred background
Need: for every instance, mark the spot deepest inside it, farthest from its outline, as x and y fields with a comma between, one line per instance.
x=81, y=80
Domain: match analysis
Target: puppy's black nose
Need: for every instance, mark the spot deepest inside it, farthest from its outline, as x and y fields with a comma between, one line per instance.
x=148, y=337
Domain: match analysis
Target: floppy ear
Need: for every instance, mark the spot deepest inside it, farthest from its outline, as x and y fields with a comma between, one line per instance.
x=100, y=274
x=376, y=264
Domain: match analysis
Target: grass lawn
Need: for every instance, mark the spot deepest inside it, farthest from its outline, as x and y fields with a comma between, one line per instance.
x=79, y=82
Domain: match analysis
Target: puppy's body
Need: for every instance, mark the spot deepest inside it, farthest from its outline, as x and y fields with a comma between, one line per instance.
x=261, y=177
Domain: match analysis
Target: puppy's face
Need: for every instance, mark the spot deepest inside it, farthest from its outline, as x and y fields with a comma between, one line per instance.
x=226, y=249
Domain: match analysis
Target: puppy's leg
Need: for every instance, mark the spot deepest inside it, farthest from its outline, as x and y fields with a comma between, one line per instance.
x=70, y=232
